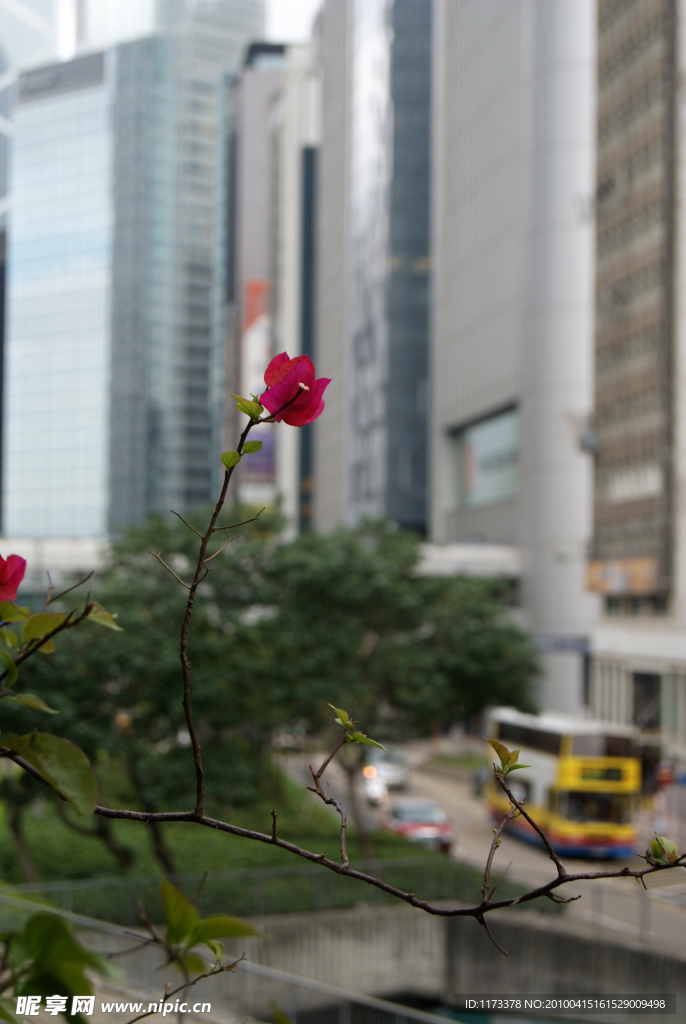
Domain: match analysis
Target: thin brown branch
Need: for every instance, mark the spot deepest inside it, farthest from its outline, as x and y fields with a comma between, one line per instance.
x=200, y=573
x=234, y=526
x=200, y=885
x=187, y=985
x=327, y=761
x=224, y=545
x=520, y=807
x=491, y=853
x=64, y=593
x=350, y=872
x=30, y=648
x=48, y=597
x=11, y=756
x=196, y=532
x=317, y=788
x=482, y=921
x=504, y=872
x=169, y=569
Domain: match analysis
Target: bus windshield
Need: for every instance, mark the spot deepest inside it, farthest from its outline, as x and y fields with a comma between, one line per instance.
x=603, y=746
x=614, y=808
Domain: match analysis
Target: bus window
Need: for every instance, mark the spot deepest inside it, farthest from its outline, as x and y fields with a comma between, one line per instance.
x=525, y=736
x=603, y=746
x=614, y=808
x=520, y=789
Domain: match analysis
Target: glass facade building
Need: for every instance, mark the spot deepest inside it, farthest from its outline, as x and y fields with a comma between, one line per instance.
x=386, y=232
x=112, y=358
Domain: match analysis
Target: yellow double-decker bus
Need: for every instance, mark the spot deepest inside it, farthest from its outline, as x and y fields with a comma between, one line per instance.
x=582, y=785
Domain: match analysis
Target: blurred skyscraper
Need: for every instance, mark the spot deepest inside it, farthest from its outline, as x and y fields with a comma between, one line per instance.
x=250, y=261
x=638, y=553
x=512, y=265
x=372, y=260
x=29, y=34
x=113, y=367
x=296, y=132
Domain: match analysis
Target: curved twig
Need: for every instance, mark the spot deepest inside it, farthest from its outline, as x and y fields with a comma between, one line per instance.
x=520, y=807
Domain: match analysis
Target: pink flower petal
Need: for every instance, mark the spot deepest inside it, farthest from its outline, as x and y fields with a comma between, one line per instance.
x=298, y=415
x=11, y=574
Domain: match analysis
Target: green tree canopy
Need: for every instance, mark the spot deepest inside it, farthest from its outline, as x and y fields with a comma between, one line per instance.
x=279, y=630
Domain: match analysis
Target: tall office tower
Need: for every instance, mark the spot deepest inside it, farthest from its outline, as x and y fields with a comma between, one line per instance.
x=372, y=264
x=295, y=141
x=111, y=378
x=512, y=256
x=249, y=274
x=29, y=33
x=638, y=555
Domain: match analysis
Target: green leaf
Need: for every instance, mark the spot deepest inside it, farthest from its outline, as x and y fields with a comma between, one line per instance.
x=513, y=767
x=231, y=459
x=12, y=670
x=220, y=927
x=514, y=756
x=670, y=850
x=194, y=963
x=359, y=737
x=6, y=1010
x=30, y=700
x=252, y=409
x=40, y=624
x=9, y=636
x=279, y=1016
x=343, y=716
x=11, y=612
x=251, y=446
x=62, y=764
x=215, y=948
x=181, y=915
x=501, y=750
x=48, y=647
x=103, y=618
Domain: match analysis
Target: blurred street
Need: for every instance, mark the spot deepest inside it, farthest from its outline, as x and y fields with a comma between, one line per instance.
x=620, y=906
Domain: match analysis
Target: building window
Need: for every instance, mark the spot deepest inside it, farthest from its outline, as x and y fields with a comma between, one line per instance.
x=646, y=687
x=488, y=460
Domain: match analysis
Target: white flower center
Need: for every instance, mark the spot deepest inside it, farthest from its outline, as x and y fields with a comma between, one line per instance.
x=303, y=386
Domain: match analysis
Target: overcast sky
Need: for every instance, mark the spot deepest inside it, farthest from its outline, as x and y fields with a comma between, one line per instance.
x=289, y=21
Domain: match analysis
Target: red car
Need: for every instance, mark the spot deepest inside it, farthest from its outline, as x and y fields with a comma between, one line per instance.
x=421, y=821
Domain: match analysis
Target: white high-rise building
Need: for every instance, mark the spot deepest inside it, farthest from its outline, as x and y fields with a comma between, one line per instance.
x=113, y=365
x=511, y=382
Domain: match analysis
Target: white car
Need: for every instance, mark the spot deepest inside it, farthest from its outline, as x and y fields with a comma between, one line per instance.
x=387, y=767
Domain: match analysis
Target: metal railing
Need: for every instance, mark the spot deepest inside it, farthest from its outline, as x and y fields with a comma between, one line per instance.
x=252, y=991
x=257, y=891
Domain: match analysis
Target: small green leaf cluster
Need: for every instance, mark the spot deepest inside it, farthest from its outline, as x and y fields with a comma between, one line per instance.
x=253, y=409
x=508, y=759
x=231, y=459
x=44, y=958
x=348, y=725
x=185, y=930
x=663, y=850
x=32, y=629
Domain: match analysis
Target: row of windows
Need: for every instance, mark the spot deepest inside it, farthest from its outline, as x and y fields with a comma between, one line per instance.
x=630, y=407
x=654, y=91
x=612, y=10
x=632, y=51
x=625, y=230
x=623, y=290
x=619, y=352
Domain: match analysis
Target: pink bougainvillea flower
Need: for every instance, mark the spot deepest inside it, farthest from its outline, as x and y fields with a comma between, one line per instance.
x=293, y=394
x=11, y=574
